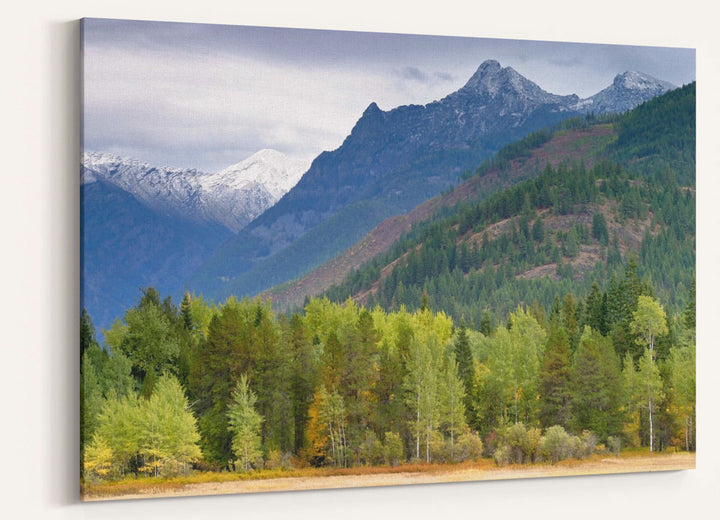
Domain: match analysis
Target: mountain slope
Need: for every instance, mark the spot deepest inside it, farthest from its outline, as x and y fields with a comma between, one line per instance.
x=391, y=161
x=570, y=145
x=558, y=233
x=126, y=246
x=232, y=197
x=146, y=226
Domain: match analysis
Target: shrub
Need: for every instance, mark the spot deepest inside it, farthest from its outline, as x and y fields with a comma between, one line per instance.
x=393, y=449
x=614, y=444
x=522, y=444
x=371, y=449
x=575, y=447
x=501, y=455
x=588, y=444
x=274, y=459
x=555, y=445
x=440, y=449
x=468, y=447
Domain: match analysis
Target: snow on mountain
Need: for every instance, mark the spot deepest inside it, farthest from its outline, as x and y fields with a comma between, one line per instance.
x=232, y=197
x=493, y=81
x=274, y=170
x=628, y=90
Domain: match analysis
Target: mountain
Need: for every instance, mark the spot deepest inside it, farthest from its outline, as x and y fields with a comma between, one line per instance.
x=232, y=197
x=127, y=245
x=627, y=91
x=592, y=205
x=147, y=226
x=524, y=160
x=391, y=162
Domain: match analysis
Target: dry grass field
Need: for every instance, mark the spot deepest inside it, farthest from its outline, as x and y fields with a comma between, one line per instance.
x=360, y=477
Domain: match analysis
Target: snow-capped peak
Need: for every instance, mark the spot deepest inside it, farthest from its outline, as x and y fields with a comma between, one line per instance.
x=632, y=80
x=491, y=80
x=271, y=168
x=232, y=197
x=628, y=90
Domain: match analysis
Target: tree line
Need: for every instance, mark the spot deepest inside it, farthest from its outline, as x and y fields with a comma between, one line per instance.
x=237, y=387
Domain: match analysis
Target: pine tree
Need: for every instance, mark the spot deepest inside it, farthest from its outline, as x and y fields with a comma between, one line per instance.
x=169, y=435
x=600, y=229
x=186, y=311
x=595, y=377
x=554, y=379
x=245, y=424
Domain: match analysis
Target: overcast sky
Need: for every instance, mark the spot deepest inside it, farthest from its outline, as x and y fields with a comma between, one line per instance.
x=208, y=96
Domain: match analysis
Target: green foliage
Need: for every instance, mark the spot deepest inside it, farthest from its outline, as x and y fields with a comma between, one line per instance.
x=649, y=321
x=660, y=135
x=682, y=390
x=393, y=449
x=554, y=379
x=244, y=424
x=595, y=381
x=555, y=445
x=169, y=435
x=338, y=384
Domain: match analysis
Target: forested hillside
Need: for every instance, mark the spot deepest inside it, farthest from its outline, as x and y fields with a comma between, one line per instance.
x=571, y=227
x=391, y=162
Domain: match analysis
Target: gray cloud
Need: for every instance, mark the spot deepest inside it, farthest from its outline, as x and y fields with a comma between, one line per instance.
x=206, y=96
x=414, y=74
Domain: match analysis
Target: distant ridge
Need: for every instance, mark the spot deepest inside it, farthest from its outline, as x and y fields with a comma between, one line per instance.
x=391, y=162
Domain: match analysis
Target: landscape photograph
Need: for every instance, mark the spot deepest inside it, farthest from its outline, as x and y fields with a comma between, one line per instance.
x=316, y=259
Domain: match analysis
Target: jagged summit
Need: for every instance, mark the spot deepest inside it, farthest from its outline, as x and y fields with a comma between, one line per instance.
x=231, y=197
x=492, y=80
x=628, y=90
x=633, y=80
x=372, y=109
x=271, y=168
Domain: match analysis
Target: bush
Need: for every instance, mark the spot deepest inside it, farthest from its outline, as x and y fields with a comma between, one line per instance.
x=274, y=460
x=614, y=444
x=278, y=460
x=555, y=445
x=393, y=449
x=522, y=444
x=371, y=450
x=440, y=449
x=588, y=444
x=468, y=447
x=502, y=455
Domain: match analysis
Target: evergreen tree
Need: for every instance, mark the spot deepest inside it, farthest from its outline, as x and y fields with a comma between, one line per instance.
x=596, y=395
x=600, y=229
x=596, y=310
x=244, y=423
x=168, y=430
x=554, y=379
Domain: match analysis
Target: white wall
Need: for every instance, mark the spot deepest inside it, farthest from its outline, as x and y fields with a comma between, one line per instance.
x=39, y=289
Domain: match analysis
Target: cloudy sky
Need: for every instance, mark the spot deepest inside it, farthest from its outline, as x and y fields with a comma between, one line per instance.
x=208, y=96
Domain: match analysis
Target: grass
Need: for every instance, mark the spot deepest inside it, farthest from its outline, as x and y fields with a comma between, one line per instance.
x=158, y=486
x=146, y=484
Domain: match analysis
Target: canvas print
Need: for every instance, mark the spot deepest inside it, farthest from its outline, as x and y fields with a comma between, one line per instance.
x=317, y=259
